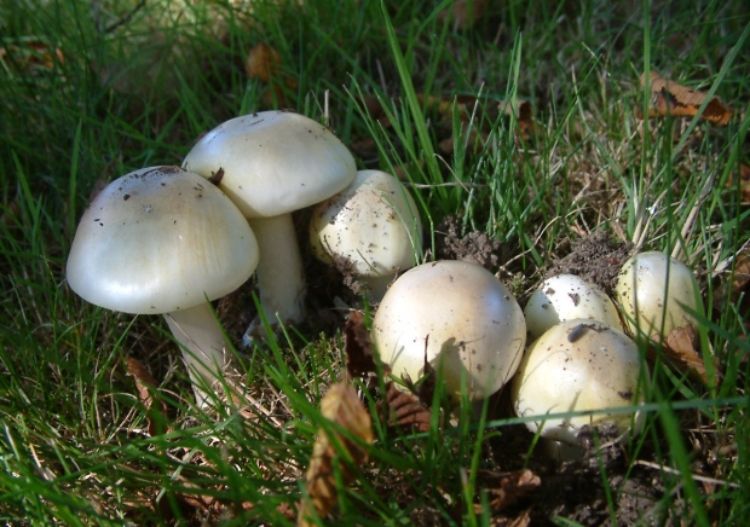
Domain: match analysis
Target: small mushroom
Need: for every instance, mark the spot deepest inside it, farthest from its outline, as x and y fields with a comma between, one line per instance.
x=271, y=164
x=565, y=297
x=576, y=365
x=373, y=225
x=164, y=241
x=657, y=294
x=457, y=317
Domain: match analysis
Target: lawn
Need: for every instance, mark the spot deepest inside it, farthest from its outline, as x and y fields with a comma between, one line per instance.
x=534, y=137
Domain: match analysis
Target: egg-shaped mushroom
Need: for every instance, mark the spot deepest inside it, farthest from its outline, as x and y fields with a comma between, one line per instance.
x=565, y=297
x=577, y=365
x=657, y=294
x=373, y=226
x=456, y=317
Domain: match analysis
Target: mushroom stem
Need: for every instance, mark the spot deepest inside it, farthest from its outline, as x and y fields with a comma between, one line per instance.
x=202, y=344
x=280, y=279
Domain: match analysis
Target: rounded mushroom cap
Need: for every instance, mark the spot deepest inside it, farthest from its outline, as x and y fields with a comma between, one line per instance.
x=565, y=297
x=159, y=240
x=457, y=317
x=273, y=162
x=641, y=288
x=373, y=224
x=576, y=365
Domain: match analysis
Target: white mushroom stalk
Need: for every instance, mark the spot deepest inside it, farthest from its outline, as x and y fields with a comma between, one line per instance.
x=457, y=317
x=657, y=294
x=271, y=164
x=164, y=241
x=373, y=225
x=565, y=297
x=577, y=365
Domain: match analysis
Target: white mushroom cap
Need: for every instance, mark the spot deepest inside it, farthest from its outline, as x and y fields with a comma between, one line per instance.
x=373, y=224
x=159, y=240
x=576, y=365
x=273, y=162
x=654, y=290
x=565, y=297
x=459, y=318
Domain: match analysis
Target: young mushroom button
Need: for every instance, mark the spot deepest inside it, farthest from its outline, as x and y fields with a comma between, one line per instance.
x=457, y=317
x=657, y=294
x=373, y=226
x=164, y=241
x=271, y=164
x=565, y=297
x=574, y=366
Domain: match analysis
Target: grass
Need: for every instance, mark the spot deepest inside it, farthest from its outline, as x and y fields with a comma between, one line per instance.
x=92, y=90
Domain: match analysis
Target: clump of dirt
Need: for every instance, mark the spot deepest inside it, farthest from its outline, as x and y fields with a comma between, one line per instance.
x=596, y=258
x=474, y=246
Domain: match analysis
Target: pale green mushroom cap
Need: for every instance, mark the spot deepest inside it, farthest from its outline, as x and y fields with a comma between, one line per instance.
x=159, y=240
x=273, y=162
x=457, y=317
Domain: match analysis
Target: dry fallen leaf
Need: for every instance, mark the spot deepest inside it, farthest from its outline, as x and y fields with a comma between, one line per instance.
x=465, y=13
x=145, y=385
x=671, y=99
x=744, y=176
x=682, y=348
x=263, y=63
x=405, y=409
x=507, y=488
x=340, y=405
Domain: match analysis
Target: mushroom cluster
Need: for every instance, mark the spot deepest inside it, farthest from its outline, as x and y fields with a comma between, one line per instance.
x=167, y=240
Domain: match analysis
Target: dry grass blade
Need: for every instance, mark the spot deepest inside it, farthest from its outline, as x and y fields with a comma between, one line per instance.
x=341, y=406
x=145, y=385
x=671, y=99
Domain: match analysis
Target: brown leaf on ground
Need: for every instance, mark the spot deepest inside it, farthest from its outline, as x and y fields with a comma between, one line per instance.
x=357, y=346
x=505, y=489
x=744, y=176
x=263, y=63
x=522, y=112
x=31, y=55
x=465, y=13
x=341, y=406
x=405, y=409
x=671, y=99
x=683, y=349
x=730, y=290
x=145, y=385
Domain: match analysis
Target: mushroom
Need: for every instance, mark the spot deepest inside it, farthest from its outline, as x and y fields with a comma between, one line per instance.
x=164, y=241
x=565, y=297
x=657, y=294
x=271, y=164
x=457, y=317
x=373, y=226
x=576, y=365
